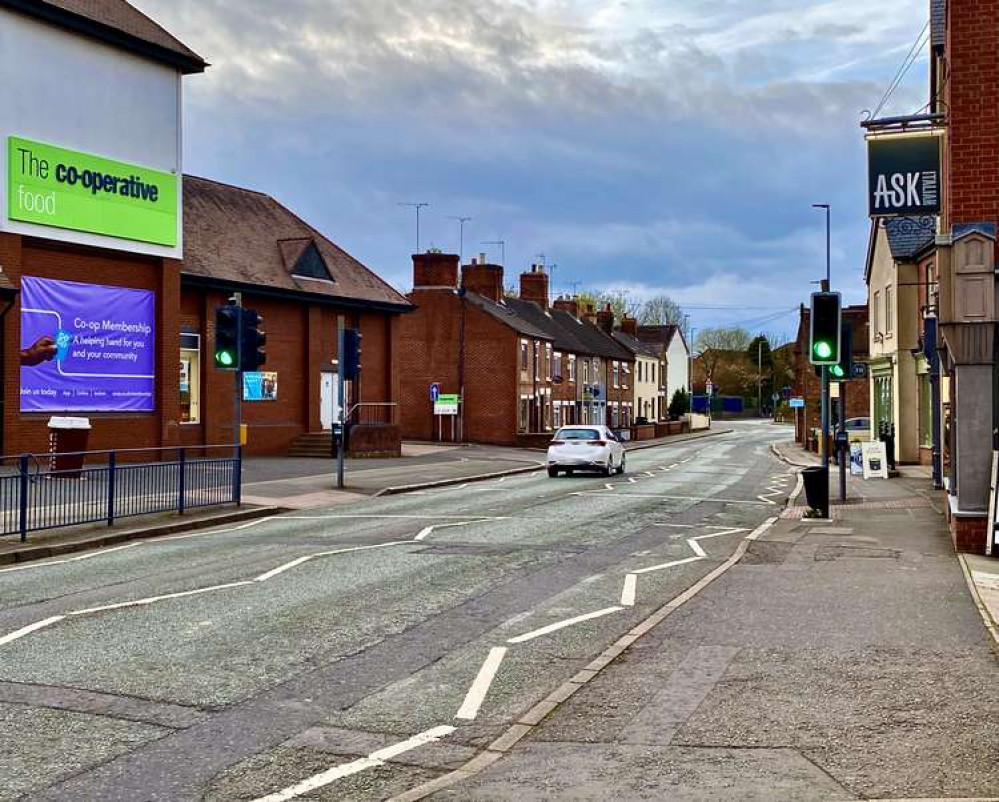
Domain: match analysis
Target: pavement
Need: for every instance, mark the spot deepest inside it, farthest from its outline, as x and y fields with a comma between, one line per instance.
x=353, y=653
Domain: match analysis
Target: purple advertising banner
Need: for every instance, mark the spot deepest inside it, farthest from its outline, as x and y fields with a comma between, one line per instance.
x=86, y=347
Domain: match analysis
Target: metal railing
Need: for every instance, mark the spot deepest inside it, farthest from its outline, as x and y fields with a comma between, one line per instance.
x=49, y=491
x=373, y=413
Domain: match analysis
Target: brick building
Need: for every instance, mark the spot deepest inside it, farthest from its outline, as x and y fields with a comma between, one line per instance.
x=521, y=367
x=808, y=385
x=650, y=373
x=111, y=264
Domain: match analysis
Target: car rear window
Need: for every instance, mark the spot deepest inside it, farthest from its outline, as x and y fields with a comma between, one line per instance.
x=577, y=434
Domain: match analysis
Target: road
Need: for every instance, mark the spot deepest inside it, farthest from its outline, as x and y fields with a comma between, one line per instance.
x=356, y=652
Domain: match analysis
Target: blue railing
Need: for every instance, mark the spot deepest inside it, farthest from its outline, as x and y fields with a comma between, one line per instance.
x=47, y=491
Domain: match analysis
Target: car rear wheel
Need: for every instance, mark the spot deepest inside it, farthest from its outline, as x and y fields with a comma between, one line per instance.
x=608, y=470
x=553, y=473
x=620, y=468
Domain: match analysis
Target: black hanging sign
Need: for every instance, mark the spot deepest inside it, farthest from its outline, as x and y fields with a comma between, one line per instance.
x=904, y=175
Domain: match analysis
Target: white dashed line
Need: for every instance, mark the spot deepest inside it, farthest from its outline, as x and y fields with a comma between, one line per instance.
x=537, y=633
x=696, y=548
x=50, y=563
x=153, y=599
x=667, y=565
x=424, y=533
x=477, y=693
x=373, y=760
x=629, y=590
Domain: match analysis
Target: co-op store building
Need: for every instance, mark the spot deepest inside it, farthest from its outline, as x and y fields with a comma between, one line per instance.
x=112, y=261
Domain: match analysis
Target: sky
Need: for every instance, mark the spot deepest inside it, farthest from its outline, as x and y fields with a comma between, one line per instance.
x=645, y=147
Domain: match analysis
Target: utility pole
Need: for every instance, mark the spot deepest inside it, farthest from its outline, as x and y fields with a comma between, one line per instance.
x=759, y=376
x=502, y=247
x=418, y=207
x=461, y=236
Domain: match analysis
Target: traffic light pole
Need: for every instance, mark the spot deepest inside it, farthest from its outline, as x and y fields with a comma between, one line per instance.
x=825, y=398
x=342, y=401
x=237, y=395
x=844, y=453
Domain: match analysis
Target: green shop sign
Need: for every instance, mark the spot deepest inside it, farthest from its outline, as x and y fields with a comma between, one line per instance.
x=62, y=188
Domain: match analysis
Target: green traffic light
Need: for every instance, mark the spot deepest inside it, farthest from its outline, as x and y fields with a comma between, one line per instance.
x=822, y=349
x=225, y=358
x=837, y=371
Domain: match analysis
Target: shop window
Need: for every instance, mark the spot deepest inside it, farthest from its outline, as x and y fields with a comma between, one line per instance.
x=190, y=378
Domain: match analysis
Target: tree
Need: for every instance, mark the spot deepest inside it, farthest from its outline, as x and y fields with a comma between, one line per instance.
x=660, y=311
x=718, y=344
x=679, y=404
x=762, y=359
x=600, y=300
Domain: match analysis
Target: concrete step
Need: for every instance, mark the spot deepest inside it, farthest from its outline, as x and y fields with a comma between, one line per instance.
x=313, y=444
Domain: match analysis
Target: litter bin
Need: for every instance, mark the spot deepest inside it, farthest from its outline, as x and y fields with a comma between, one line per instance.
x=817, y=489
x=67, y=441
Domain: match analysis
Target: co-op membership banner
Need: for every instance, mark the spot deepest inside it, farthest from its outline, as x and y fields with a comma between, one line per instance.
x=86, y=348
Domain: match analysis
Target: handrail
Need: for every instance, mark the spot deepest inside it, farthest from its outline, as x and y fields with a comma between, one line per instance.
x=106, y=451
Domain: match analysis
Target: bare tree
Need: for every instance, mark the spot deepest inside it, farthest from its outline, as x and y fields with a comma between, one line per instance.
x=660, y=311
x=720, y=344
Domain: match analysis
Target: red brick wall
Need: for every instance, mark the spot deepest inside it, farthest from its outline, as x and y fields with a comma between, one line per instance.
x=25, y=256
x=972, y=89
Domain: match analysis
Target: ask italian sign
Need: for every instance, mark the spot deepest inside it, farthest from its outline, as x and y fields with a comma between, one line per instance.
x=52, y=186
x=904, y=175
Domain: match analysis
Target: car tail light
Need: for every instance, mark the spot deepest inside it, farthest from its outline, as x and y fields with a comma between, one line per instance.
x=557, y=443
x=597, y=442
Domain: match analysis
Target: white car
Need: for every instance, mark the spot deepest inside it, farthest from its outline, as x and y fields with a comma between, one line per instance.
x=585, y=448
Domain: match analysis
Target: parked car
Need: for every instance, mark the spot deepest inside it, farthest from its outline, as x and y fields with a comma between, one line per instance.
x=858, y=429
x=585, y=448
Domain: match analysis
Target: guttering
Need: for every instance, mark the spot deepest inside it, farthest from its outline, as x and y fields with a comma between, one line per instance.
x=919, y=121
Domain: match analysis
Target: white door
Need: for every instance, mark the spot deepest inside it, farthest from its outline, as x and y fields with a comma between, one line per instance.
x=329, y=404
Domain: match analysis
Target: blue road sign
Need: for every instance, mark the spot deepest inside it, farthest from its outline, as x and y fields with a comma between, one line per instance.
x=435, y=392
x=797, y=403
x=858, y=370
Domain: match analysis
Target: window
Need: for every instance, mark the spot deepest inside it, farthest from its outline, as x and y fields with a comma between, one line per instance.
x=626, y=378
x=550, y=368
x=572, y=367
x=931, y=287
x=557, y=367
x=537, y=359
x=638, y=370
x=925, y=411
x=586, y=371
x=525, y=414
x=557, y=415
x=653, y=366
x=616, y=369
x=548, y=414
x=889, y=324
x=614, y=414
x=876, y=313
x=523, y=356
x=190, y=378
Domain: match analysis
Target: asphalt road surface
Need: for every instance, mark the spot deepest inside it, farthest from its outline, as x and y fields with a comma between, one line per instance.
x=356, y=652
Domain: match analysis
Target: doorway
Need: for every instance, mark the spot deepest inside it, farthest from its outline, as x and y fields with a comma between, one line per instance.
x=329, y=402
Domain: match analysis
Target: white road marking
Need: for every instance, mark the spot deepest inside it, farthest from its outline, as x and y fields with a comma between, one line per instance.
x=608, y=485
x=477, y=693
x=20, y=633
x=696, y=548
x=667, y=565
x=537, y=633
x=628, y=592
x=153, y=599
x=632, y=480
x=424, y=533
x=731, y=531
x=650, y=473
x=99, y=553
x=373, y=760
x=302, y=560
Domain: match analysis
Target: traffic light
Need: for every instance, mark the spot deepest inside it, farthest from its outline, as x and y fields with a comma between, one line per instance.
x=254, y=338
x=826, y=325
x=842, y=371
x=227, y=320
x=351, y=354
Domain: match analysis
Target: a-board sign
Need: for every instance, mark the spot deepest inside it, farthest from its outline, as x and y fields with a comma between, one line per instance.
x=856, y=459
x=875, y=457
x=447, y=404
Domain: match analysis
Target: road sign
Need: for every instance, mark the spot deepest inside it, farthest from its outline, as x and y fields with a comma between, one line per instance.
x=797, y=403
x=858, y=370
x=709, y=388
x=435, y=392
x=447, y=405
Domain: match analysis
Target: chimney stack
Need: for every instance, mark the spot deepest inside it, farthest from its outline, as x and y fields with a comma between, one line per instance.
x=570, y=305
x=629, y=325
x=605, y=319
x=483, y=279
x=534, y=286
x=435, y=270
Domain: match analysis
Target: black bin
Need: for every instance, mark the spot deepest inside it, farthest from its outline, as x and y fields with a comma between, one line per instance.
x=817, y=488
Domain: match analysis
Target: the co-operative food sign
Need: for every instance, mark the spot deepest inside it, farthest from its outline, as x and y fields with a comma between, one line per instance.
x=86, y=348
x=52, y=186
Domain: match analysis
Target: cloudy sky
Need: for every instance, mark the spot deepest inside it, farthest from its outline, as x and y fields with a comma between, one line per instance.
x=644, y=146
